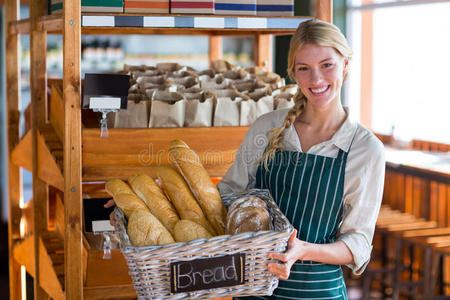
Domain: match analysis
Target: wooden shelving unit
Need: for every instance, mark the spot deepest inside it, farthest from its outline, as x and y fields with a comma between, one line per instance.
x=69, y=162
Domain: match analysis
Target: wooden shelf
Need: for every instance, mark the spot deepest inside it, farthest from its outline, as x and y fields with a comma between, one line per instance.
x=168, y=24
x=129, y=151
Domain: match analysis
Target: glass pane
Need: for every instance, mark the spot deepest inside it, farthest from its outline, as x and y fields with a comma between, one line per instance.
x=411, y=71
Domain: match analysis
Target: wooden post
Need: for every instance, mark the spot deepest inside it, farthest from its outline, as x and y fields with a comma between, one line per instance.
x=324, y=10
x=13, y=135
x=73, y=254
x=215, y=47
x=38, y=82
x=263, y=51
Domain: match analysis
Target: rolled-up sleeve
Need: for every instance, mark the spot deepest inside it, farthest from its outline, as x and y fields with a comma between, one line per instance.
x=363, y=191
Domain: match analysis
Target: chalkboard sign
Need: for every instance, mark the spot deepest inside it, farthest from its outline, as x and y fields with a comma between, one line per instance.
x=208, y=273
x=105, y=91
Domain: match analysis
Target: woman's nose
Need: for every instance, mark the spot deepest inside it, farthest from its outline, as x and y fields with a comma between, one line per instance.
x=316, y=76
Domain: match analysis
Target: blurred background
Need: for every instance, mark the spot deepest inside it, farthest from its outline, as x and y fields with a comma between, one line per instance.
x=397, y=86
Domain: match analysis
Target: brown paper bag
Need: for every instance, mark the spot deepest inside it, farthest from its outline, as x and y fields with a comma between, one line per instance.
x=246, y=84
x=227, y=108
x=135, y=116
x=221, y=65
x=290, y=89
x=185, y=82
x=192, y=93
x=218, y=82
x=210, y=72
x=253, y=109
x=255, y=70
x=199, y=111
x=159, y=79
x=236, y=74
x=168, y=67
x=283, y=100
x=259, y=93
x=167, y=109
x=272, y=79
x=148, y=72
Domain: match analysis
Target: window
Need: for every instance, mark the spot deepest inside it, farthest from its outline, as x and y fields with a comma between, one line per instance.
x=403, y=74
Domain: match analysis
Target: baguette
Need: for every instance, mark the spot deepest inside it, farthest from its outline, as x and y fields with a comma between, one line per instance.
x=187, y=230
x=124, y=196
x=146, y=188
x=144, y=229
x=129, y=203
x=189, y=165
x=116, y=186
x=178, y=192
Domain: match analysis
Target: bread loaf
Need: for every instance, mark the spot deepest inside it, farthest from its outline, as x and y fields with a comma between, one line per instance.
x=248, y=219
x=124, y=196
x=144, y=229
x=245, y=202
x=147, y=189
x=187, y=230
x=189, y=165
x=117, y=186
x=178, y=192
x=129, y=203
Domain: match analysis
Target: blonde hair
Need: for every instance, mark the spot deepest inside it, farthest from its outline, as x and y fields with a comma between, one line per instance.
x=314, y=32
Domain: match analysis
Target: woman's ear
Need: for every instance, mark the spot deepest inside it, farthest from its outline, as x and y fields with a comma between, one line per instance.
x=346, y=63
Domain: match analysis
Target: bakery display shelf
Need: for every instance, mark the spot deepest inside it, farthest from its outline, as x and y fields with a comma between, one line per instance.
x=100, y=23
x=114, y=157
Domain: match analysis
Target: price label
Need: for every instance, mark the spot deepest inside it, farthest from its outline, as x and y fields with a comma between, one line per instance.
x=207, y=273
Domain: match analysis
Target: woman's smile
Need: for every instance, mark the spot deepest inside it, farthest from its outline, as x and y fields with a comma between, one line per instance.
x=320, y=91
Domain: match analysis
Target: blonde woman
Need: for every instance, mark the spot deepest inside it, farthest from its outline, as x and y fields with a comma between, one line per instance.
x=325, y=172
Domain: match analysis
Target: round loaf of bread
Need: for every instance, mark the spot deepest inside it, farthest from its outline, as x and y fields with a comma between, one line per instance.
x=248, y=219
x=144, y=229
x=187, y=230
x=245, y=202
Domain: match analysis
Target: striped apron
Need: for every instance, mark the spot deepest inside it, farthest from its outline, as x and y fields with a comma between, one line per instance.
x=308, y=189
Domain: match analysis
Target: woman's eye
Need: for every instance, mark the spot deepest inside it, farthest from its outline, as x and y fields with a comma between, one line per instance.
x=327, y=65
x=302, y=69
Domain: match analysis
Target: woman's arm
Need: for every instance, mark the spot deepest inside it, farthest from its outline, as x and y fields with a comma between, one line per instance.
x=336, y=253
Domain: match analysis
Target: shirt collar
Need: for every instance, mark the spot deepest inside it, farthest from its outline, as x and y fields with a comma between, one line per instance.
x=342, y=138
x=344, y=135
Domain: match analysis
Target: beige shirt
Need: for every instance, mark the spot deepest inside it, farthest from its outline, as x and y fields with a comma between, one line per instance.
x=364, y=175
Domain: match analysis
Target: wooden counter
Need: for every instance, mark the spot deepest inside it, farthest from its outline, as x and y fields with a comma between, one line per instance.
x=430, y=165
x=418, y=182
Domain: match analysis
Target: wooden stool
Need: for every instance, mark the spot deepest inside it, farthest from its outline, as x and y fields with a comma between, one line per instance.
x=389, y=224
x=439, y=253
x=424, y=239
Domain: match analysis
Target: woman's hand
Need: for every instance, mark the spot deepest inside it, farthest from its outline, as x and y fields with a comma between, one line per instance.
x=112, y=216
x=295, y=251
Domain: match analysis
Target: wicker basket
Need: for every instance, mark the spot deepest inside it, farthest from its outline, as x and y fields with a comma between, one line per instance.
x=150, y=266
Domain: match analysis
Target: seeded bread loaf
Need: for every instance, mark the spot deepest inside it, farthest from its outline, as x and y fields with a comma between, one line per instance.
x=189, y=165
x=181, y=197
x=146, y=188
x=187, y=230
x=144, y=229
